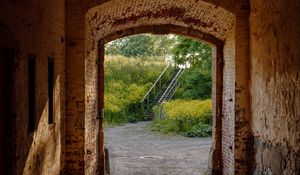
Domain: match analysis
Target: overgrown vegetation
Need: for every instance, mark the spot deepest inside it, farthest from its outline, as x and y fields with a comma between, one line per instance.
x=192, y=118
x=126, y=82
x=133, y=63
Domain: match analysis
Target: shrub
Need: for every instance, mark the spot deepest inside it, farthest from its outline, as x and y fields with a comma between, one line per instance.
x=195, y=83
x=192, y=118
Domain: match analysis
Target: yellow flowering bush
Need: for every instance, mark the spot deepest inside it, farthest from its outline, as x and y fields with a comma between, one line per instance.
x=191, y=118
x=188, y=110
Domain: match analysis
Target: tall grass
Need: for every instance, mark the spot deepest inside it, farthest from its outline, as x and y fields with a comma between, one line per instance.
x=126, y=82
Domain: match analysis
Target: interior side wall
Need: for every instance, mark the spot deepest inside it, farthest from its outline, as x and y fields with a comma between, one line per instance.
x=35, y=28
x=275, y=85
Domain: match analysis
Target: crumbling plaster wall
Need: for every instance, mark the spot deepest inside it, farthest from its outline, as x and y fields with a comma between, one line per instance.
x=37, y=28
x=275, y=85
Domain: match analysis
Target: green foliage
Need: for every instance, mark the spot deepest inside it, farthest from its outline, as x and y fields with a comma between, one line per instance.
x=197, y=54
x=133, y=70
x=181, y=49
x=163, y=44
x=195, y=83
x=128, y=79
x=142, y=45
x=126, y=82
x=191, y=118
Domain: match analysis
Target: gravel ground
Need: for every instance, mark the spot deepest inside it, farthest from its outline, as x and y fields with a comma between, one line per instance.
x=136, y=150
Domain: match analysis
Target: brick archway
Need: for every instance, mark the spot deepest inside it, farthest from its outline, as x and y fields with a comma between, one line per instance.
x=217, y=59
x=201, y=19
x=118, y=15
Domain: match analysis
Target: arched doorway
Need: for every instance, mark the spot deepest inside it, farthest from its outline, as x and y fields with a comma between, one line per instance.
x=222, y=22
x=217, y=57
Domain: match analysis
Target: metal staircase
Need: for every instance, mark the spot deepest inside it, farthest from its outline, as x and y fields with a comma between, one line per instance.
x=161, y=91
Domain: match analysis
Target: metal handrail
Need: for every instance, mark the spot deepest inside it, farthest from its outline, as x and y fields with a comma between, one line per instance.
x=173, y=88
x=176, y=86
x=171, y=84
x=155, y=82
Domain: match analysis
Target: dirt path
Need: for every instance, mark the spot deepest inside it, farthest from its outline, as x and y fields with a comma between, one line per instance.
x=136, y=150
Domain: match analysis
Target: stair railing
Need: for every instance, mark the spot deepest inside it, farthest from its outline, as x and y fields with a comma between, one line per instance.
x=170, y=85
x=171, y=91
x=157, y=82
x=176, y=85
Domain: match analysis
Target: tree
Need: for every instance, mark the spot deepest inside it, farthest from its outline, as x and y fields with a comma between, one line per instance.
x=142, y=45
x=196, y=53
x=132, y=46
x=163, y=44
x=195, y=81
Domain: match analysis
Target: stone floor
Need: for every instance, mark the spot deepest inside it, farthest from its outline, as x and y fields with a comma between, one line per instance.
x=136, y=150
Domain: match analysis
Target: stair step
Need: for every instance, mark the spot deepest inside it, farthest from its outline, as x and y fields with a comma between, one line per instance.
x=166, y=92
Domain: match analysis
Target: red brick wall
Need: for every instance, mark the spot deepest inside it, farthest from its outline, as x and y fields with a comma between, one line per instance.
x=75, y=87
